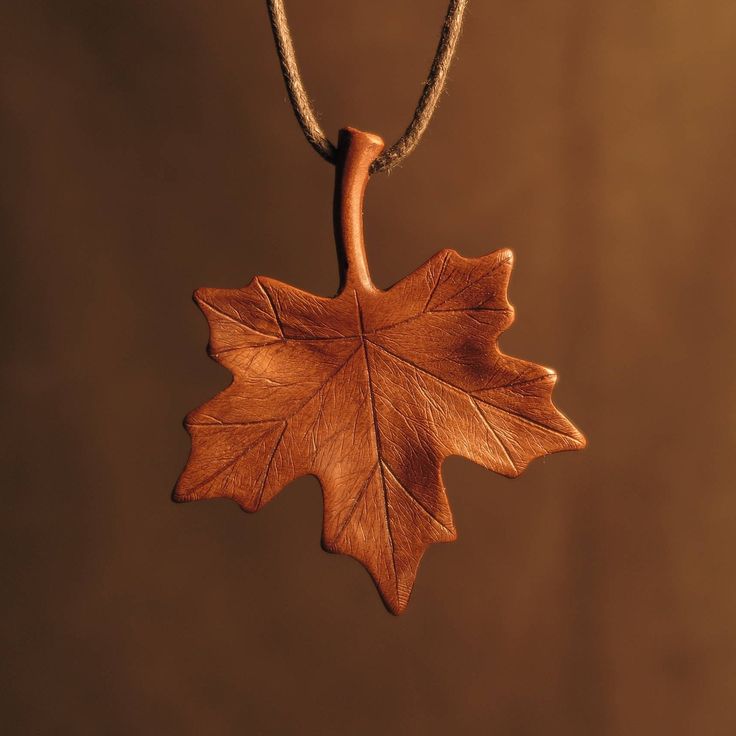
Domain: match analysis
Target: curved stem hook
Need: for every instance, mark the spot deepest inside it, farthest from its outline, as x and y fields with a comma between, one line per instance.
x=356, y=151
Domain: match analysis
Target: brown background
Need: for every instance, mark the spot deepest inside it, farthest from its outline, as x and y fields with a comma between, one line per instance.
x=147, y=149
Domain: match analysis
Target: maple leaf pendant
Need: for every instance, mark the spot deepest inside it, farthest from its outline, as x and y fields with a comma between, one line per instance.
x=369, y=391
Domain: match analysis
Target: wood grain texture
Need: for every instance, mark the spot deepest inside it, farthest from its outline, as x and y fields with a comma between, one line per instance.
x=369, y=391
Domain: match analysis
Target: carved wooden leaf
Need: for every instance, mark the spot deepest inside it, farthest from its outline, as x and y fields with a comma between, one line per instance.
x=370, y=391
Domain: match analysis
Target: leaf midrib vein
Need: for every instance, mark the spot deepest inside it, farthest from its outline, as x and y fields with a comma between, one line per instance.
x=377, y=436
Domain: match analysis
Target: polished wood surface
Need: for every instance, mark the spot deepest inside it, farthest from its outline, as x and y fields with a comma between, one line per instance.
x=369, y=391
x=148, y=148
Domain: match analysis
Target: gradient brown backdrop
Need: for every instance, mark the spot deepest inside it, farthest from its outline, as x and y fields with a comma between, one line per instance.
x=147, y=149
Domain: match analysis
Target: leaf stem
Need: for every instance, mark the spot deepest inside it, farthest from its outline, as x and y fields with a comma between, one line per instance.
x=356, y=151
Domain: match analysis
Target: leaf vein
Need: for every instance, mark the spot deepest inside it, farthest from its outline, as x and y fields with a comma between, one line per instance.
x=495, y=434
x=437, y=282
x=495, y=267
x=268, y=466
x=269, y=298
x=415, y=499
x=377, y=437
x=470, y=393
x=234, y=320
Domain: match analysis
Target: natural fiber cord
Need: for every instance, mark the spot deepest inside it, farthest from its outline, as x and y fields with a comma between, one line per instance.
x=431, y=93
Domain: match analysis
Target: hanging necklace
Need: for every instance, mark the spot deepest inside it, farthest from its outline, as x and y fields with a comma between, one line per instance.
x=370, y=390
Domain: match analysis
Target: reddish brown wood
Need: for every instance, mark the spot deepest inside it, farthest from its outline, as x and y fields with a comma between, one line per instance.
x=369, y=391
x=356, y=151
